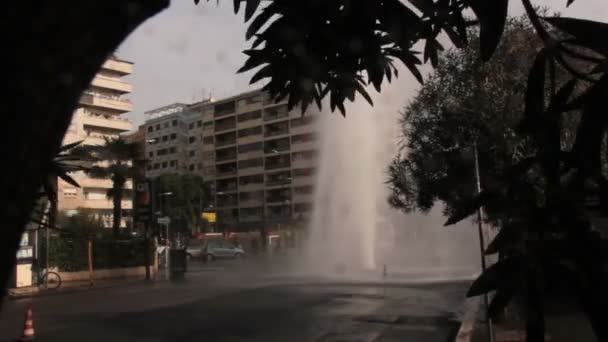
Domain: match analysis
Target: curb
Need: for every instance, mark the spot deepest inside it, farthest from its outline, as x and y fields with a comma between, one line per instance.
x=465, y=332
x=37, y=292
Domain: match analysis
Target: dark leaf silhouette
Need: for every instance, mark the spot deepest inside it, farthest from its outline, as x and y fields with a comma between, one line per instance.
x=500, y=301
x=588, y=33
x=492, y=16
x=505, y=271
x=534, y=101
x=471, y=207
x=507, y=235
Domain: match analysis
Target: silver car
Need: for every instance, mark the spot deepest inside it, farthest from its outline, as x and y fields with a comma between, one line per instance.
x=219, y=249
x=194, y=249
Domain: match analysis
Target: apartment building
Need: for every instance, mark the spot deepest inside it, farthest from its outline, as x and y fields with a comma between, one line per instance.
x=97, y=116
x=258, y=157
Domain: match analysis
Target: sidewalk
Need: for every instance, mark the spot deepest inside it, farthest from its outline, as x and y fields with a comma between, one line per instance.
x=71, y=286
x=564, y=323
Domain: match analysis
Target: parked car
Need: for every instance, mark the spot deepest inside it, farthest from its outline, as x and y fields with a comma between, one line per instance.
x=194, y=249
x=219, y=249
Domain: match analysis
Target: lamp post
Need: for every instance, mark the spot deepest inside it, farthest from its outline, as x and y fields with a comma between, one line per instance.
x=480, y=230
x=167, y=262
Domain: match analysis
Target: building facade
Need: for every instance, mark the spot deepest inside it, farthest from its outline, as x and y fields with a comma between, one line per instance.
x=98, y=116
x=258, y=158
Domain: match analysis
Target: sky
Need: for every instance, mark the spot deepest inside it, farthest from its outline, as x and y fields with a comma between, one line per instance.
x=188, y=52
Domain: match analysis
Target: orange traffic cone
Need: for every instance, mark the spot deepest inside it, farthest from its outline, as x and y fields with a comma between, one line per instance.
x=28, y=325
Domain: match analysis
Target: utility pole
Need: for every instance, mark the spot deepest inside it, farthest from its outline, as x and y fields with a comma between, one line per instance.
x=482, y=248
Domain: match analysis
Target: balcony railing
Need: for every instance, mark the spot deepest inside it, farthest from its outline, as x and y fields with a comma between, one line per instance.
x=274, y=132
x=222, y=158
x=278, y=199
x=224, y=127
x=219, y=143
x=221, y=173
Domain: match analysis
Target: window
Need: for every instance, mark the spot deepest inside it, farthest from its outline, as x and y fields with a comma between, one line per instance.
x=256, y=146
x=208, y=125
x=191, y=167
x=191, y=125
x=304, y=155
x=256, y=114
x=158, y=127
x=302, y=207
x=191, y=139
x=224, y=108
x=150, y=129
x=303, y=189
x=164, y=165
x=69, y=192
x=199, y=166
x=149, y=167
x=173, y=136
x=303, y=172
x=174, y=123
x=255, y=162
x=166, y=124
x=276, y=112
x=165, y=137
x=199, y=123
x=151, y=154
x=172, y=149
x=208, y=140
x=255, y=179
x=302, y=138
x=173, y=163
x=305, y=120
x=250, y=131
x=251, y=195
x=156, y=166
x=191, y=153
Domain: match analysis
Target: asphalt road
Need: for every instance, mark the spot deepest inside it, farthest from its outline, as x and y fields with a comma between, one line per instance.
x=244, y=300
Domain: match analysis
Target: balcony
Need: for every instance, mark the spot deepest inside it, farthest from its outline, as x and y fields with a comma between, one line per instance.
x=112, y=83
x=100, y=183
x=303, y=146
x=224, y=126
x=119, y=66
x=112, y=122
x=104, y=204
x=114, y=103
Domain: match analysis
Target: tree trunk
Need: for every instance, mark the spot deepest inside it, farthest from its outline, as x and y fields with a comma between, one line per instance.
x=117, y=193
x=56, y=48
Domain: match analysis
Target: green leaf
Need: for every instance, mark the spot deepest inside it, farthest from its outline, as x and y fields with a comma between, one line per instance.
x=496, y=276
x=492, y=15
x=507, y=235
x=470, y=207
x=68, y=179
x=250, y=8
x=70, y=146
x=587, y=33
x=535, y=91
x=560, y=99
x=258, y=22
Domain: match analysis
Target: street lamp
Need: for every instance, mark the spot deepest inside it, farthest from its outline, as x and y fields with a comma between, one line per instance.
x=167, y=263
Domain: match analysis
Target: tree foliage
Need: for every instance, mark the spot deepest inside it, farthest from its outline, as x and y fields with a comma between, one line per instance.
x=188, y=195
x=118, y=160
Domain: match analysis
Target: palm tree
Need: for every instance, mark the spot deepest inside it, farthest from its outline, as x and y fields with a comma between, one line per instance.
x=66, y=161
x=119, y=159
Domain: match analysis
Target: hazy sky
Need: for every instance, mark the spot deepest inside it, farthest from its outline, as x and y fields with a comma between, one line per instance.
x=187, y=51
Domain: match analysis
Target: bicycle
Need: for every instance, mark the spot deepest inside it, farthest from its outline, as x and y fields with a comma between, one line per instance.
x=47, y=279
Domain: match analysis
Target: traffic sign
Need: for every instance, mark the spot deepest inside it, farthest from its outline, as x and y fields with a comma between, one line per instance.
x=210, y=217
x=163, y=220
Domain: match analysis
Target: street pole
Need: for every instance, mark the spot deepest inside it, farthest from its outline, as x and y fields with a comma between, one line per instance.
x=480, y=230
